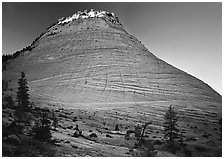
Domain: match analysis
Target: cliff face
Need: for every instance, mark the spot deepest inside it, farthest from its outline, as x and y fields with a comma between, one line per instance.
x=94, y=63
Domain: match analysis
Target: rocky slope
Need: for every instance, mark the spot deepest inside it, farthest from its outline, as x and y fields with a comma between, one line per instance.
x=88, y=61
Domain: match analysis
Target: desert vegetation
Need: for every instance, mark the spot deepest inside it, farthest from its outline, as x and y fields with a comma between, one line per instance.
x=28, y=133
x=35, y=131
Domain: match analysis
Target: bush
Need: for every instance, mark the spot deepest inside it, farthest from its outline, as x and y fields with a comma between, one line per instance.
x=145, y=148
x=92, y=135
x=116, y=127
x=9, y=102
x=41, y=130
x=41, y=133
x=77, y=132
x=14, y=128
x=34, y=148
x=173, y=147
x=13, y=139
x=27, y=147
x=137, y=131
x=157, y=142
x=149, y=150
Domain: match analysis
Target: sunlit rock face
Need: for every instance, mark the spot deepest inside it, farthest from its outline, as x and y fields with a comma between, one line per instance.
x=92, y=62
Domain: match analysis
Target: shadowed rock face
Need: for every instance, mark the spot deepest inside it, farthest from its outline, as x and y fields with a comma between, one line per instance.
x=95, y=63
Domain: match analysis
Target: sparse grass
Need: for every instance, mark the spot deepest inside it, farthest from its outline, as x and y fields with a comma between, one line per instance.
x=115, y=141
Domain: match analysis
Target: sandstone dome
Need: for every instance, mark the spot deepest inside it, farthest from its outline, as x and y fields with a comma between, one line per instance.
x=88, y=60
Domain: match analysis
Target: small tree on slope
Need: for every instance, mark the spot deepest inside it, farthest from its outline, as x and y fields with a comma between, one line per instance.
x=23, y=100
x=170, y=125
x=22, y=93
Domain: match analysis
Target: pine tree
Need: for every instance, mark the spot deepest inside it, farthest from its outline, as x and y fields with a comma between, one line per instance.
x=22, y=93
x=170, y=125
x=23, y=102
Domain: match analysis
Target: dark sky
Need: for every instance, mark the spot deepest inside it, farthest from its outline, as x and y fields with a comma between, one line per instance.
x=186, y=35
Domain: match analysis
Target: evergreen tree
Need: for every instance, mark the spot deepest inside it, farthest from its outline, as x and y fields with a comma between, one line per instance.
x=170, y=125
x=22, y=93
x=41, y=130
x=23, y=102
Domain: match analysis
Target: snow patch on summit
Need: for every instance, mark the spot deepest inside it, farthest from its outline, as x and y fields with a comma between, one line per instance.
x=84, y=15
